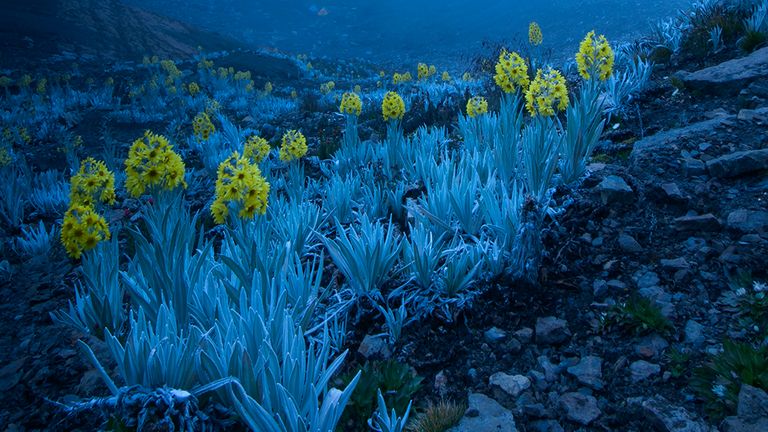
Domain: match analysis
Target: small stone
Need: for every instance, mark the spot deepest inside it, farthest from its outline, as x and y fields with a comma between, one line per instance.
x=613, y=189
x=673, y=193
x=703, y=223
x=485, y=415
x=646, y=279
x=748, y=220
x=642, y=370
x=513, y=385
x=589, y=372
x=651, y=346
x=524, y=335
x=750, y=115
x=579, y=408
x=628, y=244
x=374, y=347
x=551, y=370
x=694, y=333
x=694, y=167
x=552, y=331
x=599, y=288
x=675, y=264
x=495, y=335
x=617, y=284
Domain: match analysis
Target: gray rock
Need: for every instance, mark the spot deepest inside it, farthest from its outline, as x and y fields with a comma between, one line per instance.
x=673, y=193
x=669, y=418
x=646, y=279
x=485, y=415
x=579, y=408
x=694, y=167
x=628, y=244
x=730, y=77
x=551, y=331
x=648, y=147
x=739, y=163
x=749, y=115
x=513, y=385
x=735, y=424
x=694, y=333
x=753, y=403
x=642, y=370
x=613, y=189
x=589, y=371
x=599, y=288
x=702, y=223
x=545, y=426
x=374, y=347
x=675, y=264
x=494, y=335
x=524, y=335
x=651, y=346
x=748, y=220
x=551, y=371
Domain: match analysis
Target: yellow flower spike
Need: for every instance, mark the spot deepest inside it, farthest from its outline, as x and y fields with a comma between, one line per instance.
x=547, y=94
x=92, y=184
x=153, y=163
x=327, y=87
x=535, y=37
x=194, y=89
x=256, y=149
x=446, y=76
x=82, y=229
x=595, y=56
x=294, y=146
x=422, y=71
x=511, y=72
x=392, y=107
x=467, y=76
x=268, y=87
x=476, y=106
x=240, y=184
x=351, y=104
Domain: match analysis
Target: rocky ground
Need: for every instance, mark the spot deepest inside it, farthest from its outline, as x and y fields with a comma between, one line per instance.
x=674, y=207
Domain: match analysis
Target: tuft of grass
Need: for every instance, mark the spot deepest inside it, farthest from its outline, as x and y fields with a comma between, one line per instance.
x=719, y=381
x=397, y=382
x=437, y=417
x=752, y=40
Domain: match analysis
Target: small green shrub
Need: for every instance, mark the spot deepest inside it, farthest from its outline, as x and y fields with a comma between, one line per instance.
x=397, y=382
x=639, y=316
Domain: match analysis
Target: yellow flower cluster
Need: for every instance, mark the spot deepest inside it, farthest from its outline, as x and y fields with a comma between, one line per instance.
x=92, y=184
x=41, y=85
x=547, y=94
x=256, y=149
x=467, y=76
x=446, y=76
x=535, y=37
x=153, y=163
x=82, y=229
x=194, y=89
x=328, y=87
x=203, y=126
x=423, y=71
x=392, y=107
x=268, y=87
x=398, y=78
x=595, y=56
x=170, y=68
x=476, y=106
x=351, y=104
x=294, y=146
x=5, y=156
x=511, y=72
x=241, y=184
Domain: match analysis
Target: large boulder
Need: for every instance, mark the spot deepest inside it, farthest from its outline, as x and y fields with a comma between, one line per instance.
x=730, y=77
